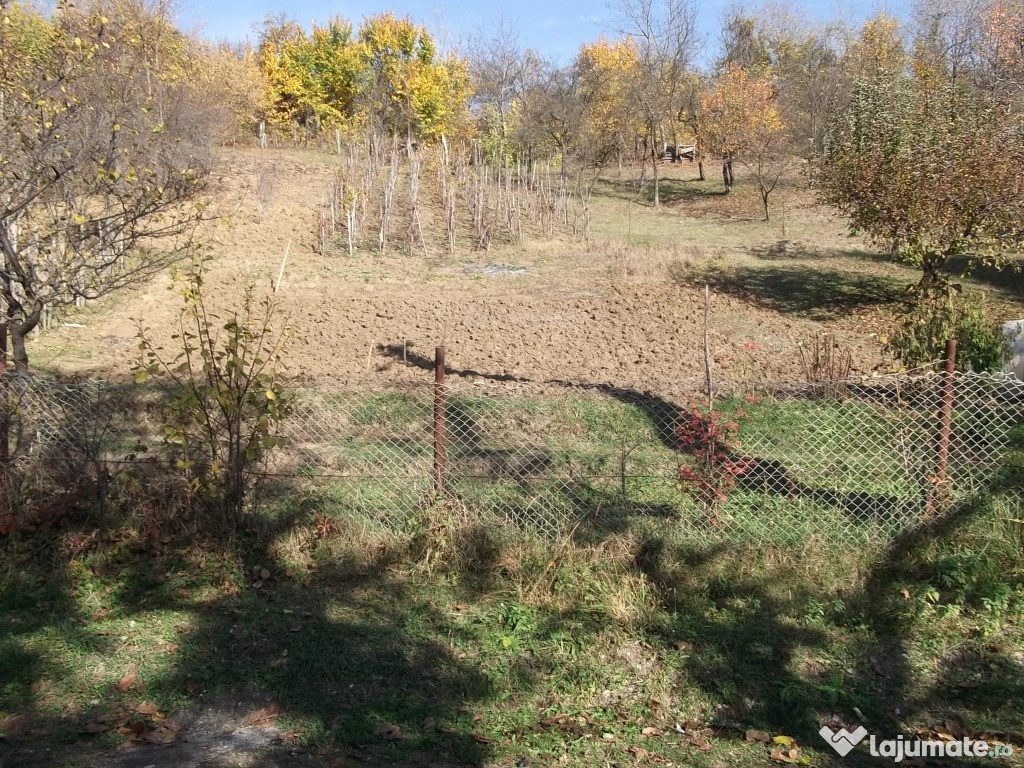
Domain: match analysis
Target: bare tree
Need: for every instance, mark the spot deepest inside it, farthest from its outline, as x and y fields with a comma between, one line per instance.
x=503, y=74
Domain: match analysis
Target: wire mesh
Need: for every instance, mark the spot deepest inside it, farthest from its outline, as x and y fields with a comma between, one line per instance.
x=852, y=460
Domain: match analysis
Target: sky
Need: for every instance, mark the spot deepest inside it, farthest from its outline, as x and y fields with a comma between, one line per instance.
x=554, y=27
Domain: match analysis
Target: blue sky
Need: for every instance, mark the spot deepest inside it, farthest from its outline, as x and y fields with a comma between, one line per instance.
x=555, y=27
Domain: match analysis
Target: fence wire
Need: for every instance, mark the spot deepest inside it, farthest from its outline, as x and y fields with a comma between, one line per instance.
x=852, y=460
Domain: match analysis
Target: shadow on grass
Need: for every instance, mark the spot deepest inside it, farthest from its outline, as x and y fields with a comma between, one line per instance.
x=1009, y=280
x=749, y=646
x=347, y=653
x=359, y=662
x=670, y=190
x=814, y=293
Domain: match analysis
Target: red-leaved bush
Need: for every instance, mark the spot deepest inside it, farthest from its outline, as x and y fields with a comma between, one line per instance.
x=711, y=437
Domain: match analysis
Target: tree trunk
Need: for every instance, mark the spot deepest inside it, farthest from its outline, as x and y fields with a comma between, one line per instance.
x=700, y=169
x=727, y=176
x=764, y=199
x=654, y=164
x=19, y=336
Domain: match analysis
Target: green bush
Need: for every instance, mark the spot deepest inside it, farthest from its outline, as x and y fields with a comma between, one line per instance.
x=941, y=313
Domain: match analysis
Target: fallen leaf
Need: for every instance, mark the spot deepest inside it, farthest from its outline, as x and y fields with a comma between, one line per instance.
x=700, y=743
x=129, y=677
x=262, y=717
x=264, y=574
x=782, y=757
x=783, y=741
x=640, y=753
x=760, y=737
x=650, y=731
x=148, y=709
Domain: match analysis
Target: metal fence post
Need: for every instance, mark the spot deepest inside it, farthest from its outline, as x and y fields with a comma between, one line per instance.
x=439, y=425
x=5, y=402
x=941, y=479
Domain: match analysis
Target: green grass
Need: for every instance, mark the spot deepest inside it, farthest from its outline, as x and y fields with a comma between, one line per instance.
x=503, y=648
x=836, y=470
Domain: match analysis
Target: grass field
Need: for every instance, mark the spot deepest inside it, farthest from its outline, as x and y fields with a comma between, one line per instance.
x=448, y=637
x=480, y=649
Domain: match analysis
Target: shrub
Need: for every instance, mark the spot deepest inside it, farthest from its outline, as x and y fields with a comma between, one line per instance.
x=223, y=386
x=940, y=314
x=710, y=436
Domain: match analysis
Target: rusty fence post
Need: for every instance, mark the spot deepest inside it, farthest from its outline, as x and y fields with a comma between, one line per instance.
x=5, y=402
x=940, y=492
x=440, y=449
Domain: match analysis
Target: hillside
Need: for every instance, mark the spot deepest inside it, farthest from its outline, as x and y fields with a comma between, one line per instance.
x=628, y=313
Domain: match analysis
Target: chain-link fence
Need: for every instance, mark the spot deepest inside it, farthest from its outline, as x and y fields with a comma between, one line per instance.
x=854, y=460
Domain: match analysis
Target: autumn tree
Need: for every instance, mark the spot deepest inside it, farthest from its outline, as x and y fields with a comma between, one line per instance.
x=743, y=44
x=606, y=73
x=386, y=77
x=740, y=119
x=666, y=38
x=805, y=66
x=928, y=166
x=100, y=155
x=1001, y=51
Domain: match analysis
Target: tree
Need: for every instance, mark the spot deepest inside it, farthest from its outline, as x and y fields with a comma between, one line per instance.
x=502, y=74
x=807, y=73
x=410, y=91
x=1002, y=50
x=740, y=118
x=100, y=156
x=387, y=77
x=931, y=171
x=606, y=72
x=665, y=35
x=743, y=45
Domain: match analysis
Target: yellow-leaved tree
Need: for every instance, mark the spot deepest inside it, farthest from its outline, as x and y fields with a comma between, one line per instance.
x=740, y=120
x=607, y=72
x=387, y=77
x=410, y=90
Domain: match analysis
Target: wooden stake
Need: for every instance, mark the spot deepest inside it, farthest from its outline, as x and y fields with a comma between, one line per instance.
x=707, y=350
x=280, y=274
